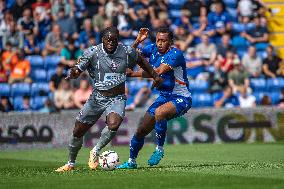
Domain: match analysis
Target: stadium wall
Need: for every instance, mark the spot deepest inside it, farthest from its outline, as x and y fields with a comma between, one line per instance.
x=36, y=130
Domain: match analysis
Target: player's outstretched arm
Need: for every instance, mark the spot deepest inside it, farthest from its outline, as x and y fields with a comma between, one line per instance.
x=142, y=35
x=150, y=71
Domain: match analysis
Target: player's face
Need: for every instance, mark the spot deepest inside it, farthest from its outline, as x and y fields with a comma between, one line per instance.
x=110, y=42
x=163, y=42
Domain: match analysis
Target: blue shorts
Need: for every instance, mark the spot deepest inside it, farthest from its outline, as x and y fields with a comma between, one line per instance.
x=182, y=104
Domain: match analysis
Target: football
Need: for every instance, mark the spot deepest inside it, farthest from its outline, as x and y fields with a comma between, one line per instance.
x=108, y=160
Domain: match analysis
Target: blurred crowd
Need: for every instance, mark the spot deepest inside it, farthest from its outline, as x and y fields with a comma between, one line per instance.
x=225, y=42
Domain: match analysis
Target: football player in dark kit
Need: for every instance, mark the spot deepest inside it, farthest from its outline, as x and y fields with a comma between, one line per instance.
x=106, y=64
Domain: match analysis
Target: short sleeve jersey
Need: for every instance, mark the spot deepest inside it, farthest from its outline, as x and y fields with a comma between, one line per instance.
x=107, y=70
x=175, y=81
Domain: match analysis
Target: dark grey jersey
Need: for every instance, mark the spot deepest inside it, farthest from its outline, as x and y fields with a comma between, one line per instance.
x=107, y=70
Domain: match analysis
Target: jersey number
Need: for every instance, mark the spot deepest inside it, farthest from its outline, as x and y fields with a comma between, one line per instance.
x=179, y=100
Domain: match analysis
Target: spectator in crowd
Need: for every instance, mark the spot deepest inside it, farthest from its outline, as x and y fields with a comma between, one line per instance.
x=206, y=50
x=238, y=78
x=245, y=8
x=227, y=64
x=67, y=24
x=86, y=34
x=26, y=24
x=49, y=107
x=63, y=96
x=217, y=78
x=43, y=21
x=53, y=41
x=183, y=21
x=82, y=94
x=21, y=70
x=225, y=46
x=265, y=101
x=112, y=6
x=220, y=19
x=155, y=7
x=5, y=23
x=194, y=64
x=271, y=64
x=195, y=8
x=9, y=58
x=5, y=104
x=13, y=36
x=18, y=8
x=31, y=45
x=202, y=27
x=3, y=73
x=41, y=7
x=57, y=5
x=57, y=77
x=257, y=34
x=136, y=5
x=142, y=20
x=121, y=20
x=182, y=38
x=252, y=63
x=69, y=54
x=243, y=26
x=227, y=99
x=26, y=106
x=246, y=100
x=99, y=18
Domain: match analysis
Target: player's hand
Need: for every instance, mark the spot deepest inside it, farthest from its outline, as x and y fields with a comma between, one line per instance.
x=158, y=81
x=129, y=72
x=142, y=34
x=73, y=74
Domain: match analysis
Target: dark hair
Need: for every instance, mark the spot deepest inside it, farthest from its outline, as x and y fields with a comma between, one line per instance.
x=168, y=31
x=112, y=30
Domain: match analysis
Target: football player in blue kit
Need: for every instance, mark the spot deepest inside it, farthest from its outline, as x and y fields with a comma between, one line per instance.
x=174, y=99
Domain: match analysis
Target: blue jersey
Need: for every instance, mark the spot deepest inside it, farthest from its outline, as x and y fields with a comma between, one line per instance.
x=175, y=81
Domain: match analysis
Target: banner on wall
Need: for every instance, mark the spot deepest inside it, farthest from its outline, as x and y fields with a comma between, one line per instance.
x=197, y=126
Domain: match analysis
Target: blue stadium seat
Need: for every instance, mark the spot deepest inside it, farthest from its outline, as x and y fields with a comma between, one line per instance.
x=38, y=102
x=4, y=89
x=51, y=61
x=275, y=97
x=20, y=89
x=261, y=46
x=17, y=103
x=259, y=96
x=36, y=61
x=240, y=43
x=275, y=84
x=258, y=84
x=39, y=75
x=50, y=72
x=38, y=88
x=231, y=3
x=202, y=100
x=198, y=86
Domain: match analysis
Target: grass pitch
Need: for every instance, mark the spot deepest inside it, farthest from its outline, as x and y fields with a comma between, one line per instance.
x=199, y=166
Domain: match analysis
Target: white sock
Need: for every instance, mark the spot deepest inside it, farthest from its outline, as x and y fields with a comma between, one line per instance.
x=70, y=164
x=96, y=150
x=160, y=148
x=130, y=160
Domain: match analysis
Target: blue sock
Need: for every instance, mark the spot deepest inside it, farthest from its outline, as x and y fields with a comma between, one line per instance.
x=161, y=129
x=135, y=146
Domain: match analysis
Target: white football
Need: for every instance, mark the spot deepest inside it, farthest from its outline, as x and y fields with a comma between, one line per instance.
x=108, y=160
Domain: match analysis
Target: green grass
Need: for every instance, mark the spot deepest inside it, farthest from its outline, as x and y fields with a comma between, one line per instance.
x=200, y=166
